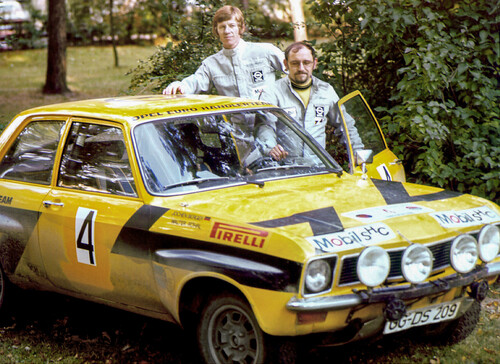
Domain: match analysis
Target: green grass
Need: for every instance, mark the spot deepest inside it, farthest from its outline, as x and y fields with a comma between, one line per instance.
x=48, y=328
x=90, y=74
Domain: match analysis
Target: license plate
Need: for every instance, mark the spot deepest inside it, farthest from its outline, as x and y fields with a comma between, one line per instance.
x=424, y=316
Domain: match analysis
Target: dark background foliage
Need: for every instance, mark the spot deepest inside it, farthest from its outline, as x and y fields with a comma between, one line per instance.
x=432, y=70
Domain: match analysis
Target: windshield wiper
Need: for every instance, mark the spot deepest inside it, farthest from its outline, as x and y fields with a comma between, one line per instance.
x=195, y=182
x=258, y=183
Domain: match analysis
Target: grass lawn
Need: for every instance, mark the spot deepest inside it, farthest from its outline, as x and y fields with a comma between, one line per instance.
x=48, y=328
x=90, y=74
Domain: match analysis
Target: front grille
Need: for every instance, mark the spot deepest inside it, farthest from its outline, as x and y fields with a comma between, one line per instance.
x=440, y=252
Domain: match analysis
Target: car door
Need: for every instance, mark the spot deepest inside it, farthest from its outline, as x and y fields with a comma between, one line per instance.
x=26, y=170
x=386, y=165
x=82, y=217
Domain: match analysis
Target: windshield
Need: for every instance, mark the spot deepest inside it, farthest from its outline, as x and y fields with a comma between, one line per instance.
x=215, y=150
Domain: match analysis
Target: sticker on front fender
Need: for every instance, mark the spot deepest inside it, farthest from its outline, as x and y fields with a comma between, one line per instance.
x=424, y=316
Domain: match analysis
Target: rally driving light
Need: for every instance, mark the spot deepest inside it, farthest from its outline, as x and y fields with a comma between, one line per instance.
x=373, y=266
x=489, y=243
x=463, y=253
x=416, y=263
x=318, y=276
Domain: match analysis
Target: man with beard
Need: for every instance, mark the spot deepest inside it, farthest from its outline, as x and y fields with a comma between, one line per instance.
x=306, y=98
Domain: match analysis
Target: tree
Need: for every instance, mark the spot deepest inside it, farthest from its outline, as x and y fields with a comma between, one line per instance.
x=112, y=32
x=55, y=82
x=298, y=20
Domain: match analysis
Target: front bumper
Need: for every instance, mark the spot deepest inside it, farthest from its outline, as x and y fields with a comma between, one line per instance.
x=334, y=303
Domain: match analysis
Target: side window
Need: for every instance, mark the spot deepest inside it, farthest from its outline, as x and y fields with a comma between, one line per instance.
x=366, y=125
x=95, y=159
x=31, y=156
x=336, y=146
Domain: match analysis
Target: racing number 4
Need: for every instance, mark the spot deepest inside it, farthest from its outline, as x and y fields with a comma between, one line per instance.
x=84, y=235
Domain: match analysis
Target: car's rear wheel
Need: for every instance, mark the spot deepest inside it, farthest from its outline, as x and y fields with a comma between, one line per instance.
x=229, y=333
x=3, y=289
x=452, y=332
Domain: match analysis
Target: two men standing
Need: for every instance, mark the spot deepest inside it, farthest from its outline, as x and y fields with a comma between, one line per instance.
x=249, y=70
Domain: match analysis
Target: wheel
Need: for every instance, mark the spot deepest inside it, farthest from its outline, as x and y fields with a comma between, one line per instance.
x=229, y=333
x=452, y=332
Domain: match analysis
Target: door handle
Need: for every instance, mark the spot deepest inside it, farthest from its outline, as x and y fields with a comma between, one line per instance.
x=52, y=203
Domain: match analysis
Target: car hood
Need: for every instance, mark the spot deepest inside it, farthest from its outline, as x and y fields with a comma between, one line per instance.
x=349, y=211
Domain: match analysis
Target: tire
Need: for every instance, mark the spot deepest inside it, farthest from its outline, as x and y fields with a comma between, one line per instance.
x=452, y=332
x=229, y=333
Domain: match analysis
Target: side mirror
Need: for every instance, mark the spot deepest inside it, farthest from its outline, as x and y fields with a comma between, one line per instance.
x=362, y=157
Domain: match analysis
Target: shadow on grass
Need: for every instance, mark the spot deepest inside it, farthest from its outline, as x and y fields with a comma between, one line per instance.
x=78, y=331
x=92, y=332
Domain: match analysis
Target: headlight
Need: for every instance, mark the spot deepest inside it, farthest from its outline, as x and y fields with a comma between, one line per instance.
x=463, y=253
x=373, y=266
x=318, y=276
x=416, y=263
x=489, y=243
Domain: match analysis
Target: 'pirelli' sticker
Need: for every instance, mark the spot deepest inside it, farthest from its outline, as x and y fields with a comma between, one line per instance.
x=353, y=238
x=379, y=213
x=239, y=235
x=470, y=217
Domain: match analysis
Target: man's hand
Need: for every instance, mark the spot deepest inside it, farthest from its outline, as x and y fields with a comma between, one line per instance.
x=278, y=153
x=175, y=87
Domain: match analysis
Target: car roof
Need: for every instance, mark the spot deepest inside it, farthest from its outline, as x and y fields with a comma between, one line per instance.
x=136, y=109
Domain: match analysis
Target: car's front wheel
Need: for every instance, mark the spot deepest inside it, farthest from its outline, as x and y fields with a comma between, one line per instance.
x=229, y=333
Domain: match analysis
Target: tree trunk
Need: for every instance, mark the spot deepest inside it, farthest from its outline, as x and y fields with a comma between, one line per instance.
x=245, y=4
x=298, y=20
x=55, y=82
x=112, y=29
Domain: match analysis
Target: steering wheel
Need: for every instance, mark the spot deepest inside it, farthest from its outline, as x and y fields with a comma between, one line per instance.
x=262, y=162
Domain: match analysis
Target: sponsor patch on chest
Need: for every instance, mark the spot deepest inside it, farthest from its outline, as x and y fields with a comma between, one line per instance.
x=257, y=76
x=319, y=114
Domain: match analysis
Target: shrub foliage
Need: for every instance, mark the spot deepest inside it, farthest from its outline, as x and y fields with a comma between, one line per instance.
x=432, y=67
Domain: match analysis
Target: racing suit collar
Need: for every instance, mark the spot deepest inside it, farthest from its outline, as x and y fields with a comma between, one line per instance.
x=236, y=50
x=314, y=83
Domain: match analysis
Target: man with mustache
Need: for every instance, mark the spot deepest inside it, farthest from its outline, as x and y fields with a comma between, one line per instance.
x=306, y=98
x=241, y=68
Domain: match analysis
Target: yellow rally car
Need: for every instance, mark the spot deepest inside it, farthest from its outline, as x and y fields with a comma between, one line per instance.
x=171, y=207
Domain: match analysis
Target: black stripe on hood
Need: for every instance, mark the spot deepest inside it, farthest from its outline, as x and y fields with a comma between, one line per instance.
x=322, y=221
x=395, y=192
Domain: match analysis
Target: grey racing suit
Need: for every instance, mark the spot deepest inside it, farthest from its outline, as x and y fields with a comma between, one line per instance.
x=320, y=111
x=244, y=71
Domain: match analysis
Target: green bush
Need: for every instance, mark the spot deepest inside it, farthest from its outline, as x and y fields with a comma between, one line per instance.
x=180, y=59
x=432, y=68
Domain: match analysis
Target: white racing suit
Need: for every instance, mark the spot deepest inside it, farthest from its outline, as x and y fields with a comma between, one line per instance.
x=244, y=71
x=320, y=111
